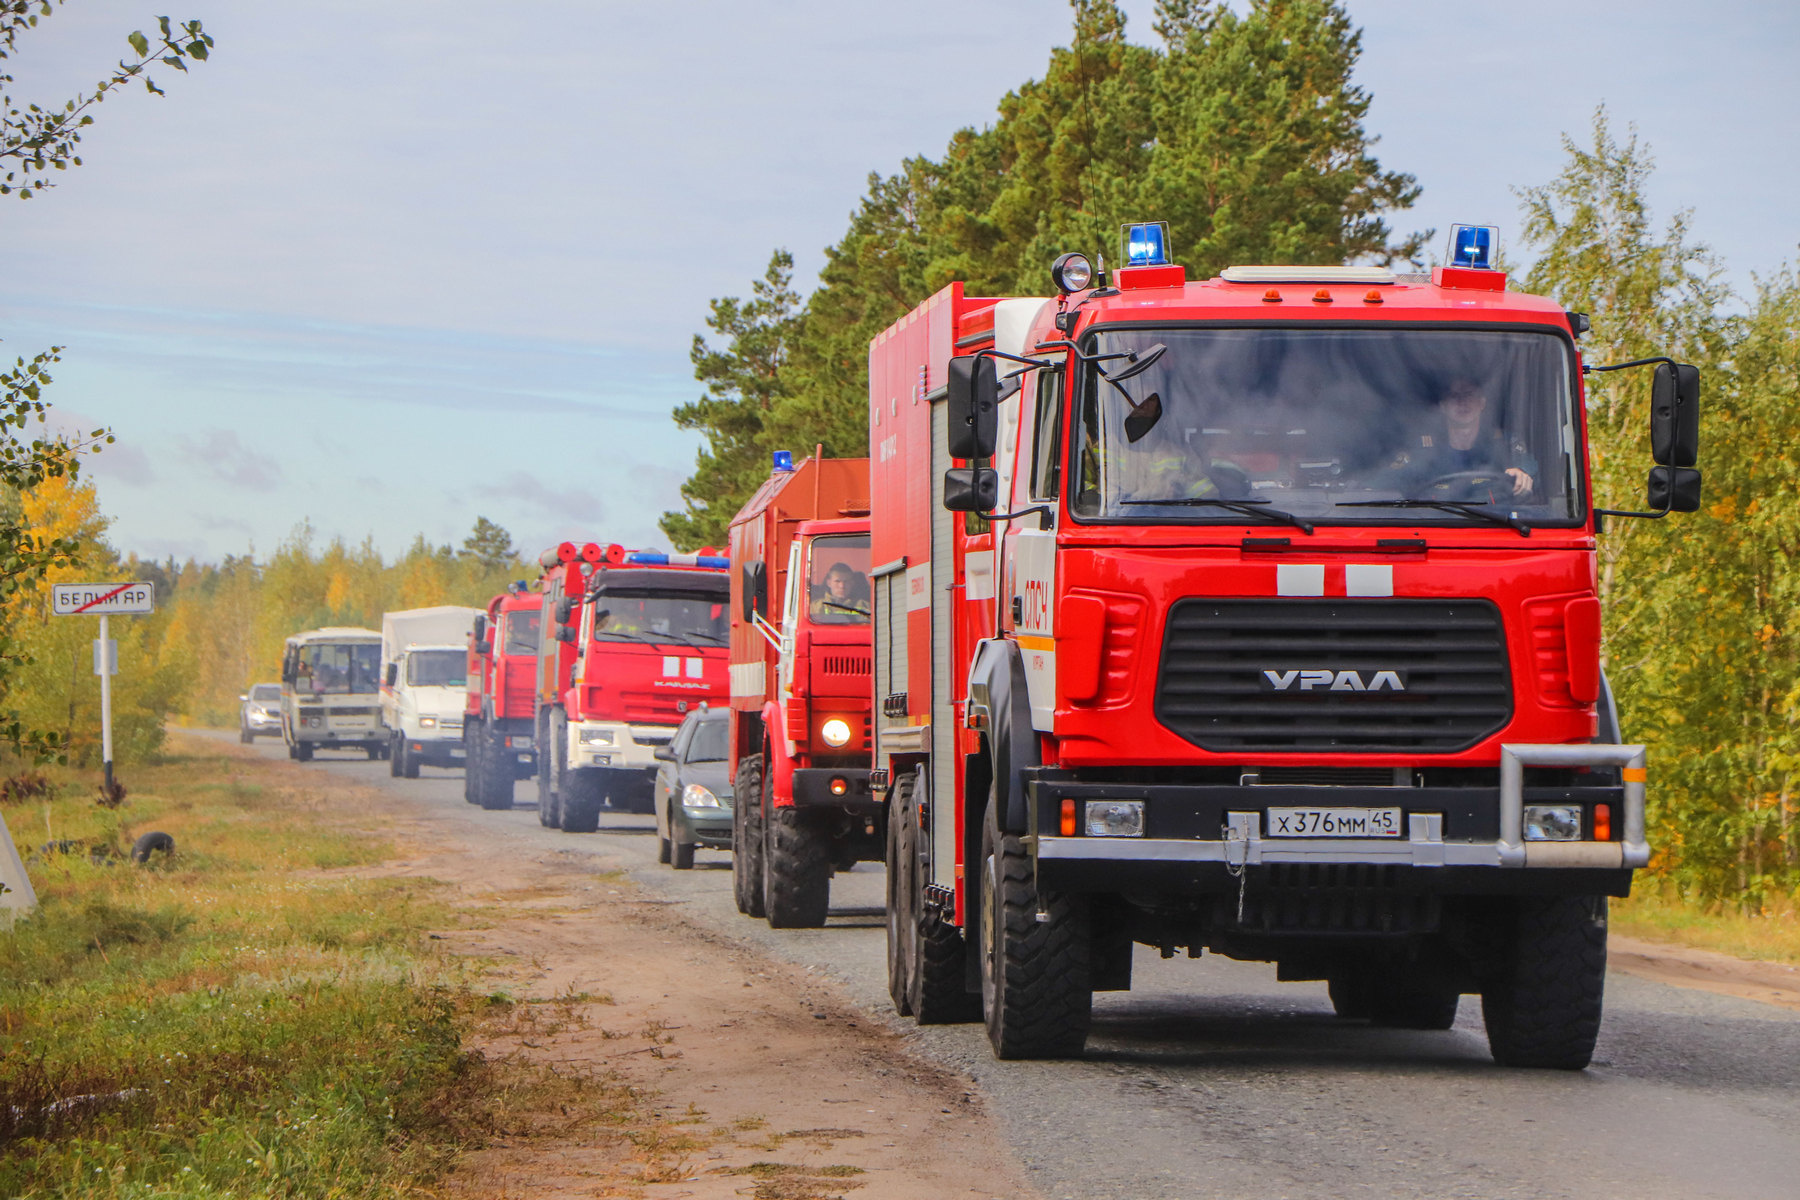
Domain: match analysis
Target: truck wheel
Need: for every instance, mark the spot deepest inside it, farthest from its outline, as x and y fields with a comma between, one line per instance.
x=409, y=762
x=494, y=782
x=937, y=991
x=1543, y=1008
x=796, y=869
x=1035, y=987
x=373, y=751
x=746, y=836
x=472, y=763
x=899, y=902
x=581, y=799
x=395, y=753
x=245, y=736
x=1396, y=999
x=683, y=859
x=664, y=851
x=303, y=751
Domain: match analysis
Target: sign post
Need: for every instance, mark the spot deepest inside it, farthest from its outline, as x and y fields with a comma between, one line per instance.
x=103, y=600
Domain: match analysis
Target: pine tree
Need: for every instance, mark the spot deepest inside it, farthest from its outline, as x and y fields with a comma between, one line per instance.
x=489, y=547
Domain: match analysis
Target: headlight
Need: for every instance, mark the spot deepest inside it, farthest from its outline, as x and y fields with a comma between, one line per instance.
x=1553, y=822
x=835, y=731
x=1115, y=818
x=427, y=722
x=695, y=796
x=596, y=737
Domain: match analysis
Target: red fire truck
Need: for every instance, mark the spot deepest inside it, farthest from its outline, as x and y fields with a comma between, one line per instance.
x=643, y=636
x=501, y=709
x=1255, y=615
x=800, y=690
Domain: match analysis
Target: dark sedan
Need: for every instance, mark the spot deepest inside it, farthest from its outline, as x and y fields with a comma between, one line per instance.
x=693, y=790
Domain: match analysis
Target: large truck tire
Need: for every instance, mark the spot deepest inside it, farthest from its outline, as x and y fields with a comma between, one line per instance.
x=1036, y=991
x=1395, y=1000
x=1542, y=1008
x=931, y=951
x=796, y=868
x=472, y=762
x=396, y=755
x=582, y=796
x=373, y=750
x=549, y=759
x=303, y=751
x=899, y=903
x=409, y=762
x=746, y=836
x=494, y=784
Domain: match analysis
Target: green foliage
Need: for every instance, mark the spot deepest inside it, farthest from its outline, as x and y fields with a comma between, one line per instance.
x=743, y=381
x=1244, y=132
x=38, y=139
x=490, y=547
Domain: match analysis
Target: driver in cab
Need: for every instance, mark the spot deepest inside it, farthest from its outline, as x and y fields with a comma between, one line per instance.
x=1457, y=441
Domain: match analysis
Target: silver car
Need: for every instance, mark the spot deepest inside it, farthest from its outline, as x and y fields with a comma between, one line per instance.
x=260, y=713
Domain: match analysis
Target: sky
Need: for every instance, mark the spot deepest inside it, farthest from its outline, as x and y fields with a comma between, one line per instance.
x=382, y=268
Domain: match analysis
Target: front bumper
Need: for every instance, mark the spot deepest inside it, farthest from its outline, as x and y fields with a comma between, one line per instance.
x=1199, y=836
x=813, y=789
x=615, y=744
x=709, y=827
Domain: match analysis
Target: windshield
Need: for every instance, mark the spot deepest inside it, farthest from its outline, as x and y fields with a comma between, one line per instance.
x=638, y=615
x=266, y=692
x=437, y=668
x=709, y=740
x=336, y=669
x=522, y=633
x=838, y=580
x=1329, y=425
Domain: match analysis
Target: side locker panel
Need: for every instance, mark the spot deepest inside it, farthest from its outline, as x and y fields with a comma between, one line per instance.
x=889, y=617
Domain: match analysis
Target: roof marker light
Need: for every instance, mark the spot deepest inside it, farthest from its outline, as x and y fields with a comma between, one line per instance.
x=1271, y=297
x=1322, y=296
x=1147, y=244
x=1474, y=246
x=1373, y=297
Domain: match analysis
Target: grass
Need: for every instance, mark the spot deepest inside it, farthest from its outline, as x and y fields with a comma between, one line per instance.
x=1658, y=914
x=251, y=1017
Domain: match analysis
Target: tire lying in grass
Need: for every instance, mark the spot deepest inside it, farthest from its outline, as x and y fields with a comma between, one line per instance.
x=151, y=843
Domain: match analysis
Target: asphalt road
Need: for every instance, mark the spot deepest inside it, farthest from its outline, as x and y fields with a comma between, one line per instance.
x=1212, y=1079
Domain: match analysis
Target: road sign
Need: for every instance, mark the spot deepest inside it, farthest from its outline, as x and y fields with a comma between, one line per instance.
x=101, y=599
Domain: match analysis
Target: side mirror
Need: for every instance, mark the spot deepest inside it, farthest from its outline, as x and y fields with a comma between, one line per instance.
x=971, y=489
x=1675, y=417
x=565, y=608
x=755, y=598
x=973, y=394
x=243, y=698
x=393, y=673
x=480, y=627
x=565, y=633
x=663, y=753
x=484, y=647
x=1674, y=488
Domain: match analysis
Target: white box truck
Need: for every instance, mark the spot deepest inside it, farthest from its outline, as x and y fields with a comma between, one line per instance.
x=424, y=683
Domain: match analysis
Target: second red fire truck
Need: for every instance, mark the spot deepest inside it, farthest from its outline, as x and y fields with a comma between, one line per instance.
x=499, y=718
x=800, y=690
x=1255, y=615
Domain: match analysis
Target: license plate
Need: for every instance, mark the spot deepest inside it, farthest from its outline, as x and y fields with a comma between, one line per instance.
x=1333, y=822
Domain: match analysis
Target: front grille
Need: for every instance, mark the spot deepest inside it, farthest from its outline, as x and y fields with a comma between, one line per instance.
x=843, y=664
x=1333, y=777
x=1215, y=689
x=1330, y=898
x=354, y=712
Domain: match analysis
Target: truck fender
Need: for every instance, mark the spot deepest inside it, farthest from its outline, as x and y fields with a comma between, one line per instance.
x=1606, y=711
x=997, y=695
x=778, y=767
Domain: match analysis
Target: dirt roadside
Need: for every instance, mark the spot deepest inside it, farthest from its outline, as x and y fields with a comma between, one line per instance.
x=1683, y=966
x=759, y=1079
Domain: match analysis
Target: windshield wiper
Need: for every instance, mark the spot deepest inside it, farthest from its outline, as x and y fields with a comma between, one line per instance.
x=622, y=633
x=1249, y=508
x=1468, y=508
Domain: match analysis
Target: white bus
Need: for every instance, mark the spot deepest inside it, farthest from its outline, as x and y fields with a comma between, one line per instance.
x=330, y=692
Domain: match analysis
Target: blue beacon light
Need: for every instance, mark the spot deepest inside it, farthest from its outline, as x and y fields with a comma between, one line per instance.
x=784, y=460
x=1472, y=246
x=1146, y=245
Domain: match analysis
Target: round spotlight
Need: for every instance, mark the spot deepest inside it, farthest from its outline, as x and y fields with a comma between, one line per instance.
x=839, y=785
x=835, y=731
x=1071, y=272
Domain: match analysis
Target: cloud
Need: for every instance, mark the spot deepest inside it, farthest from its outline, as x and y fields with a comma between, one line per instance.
x=121, y=464
x=221, y=453
x=568, y=503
